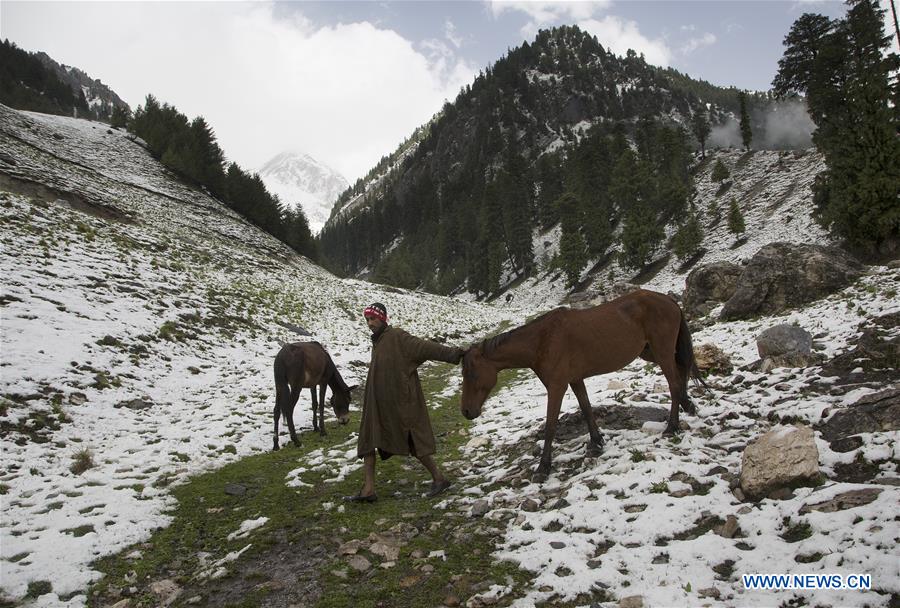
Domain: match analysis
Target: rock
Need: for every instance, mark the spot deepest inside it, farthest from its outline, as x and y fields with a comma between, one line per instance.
x=351, y=547
x=784, y=456
x=783, y=275
x=359, y=563
x=708, y=285
x=783, y=340
x=126, y=603
x=135, y=404
x=478, y=442
x=166, y=591
x=404, y=531
x=872, y=413
x=387, y=552
x=451, y=601
x=479, y=508
x=616, y=385
x=710, y=358
x=77, y=398
x=729, y=528
x=711, y=592
x=557, y=544
x=341, y=573
x=845, y=500
x=846, y=444
x=235, y=489
x=632, y=601
x=529, y=504
x=409, y=581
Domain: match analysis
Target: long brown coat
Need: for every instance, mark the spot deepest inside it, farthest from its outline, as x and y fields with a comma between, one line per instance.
x=394, y=414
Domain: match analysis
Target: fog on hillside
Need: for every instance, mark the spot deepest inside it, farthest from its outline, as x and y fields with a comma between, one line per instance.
x=783, y=125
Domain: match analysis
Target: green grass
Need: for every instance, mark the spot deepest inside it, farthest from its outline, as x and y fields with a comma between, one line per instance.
x=205, y=515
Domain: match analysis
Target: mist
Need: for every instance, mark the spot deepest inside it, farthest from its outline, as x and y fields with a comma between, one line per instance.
x=781, y=125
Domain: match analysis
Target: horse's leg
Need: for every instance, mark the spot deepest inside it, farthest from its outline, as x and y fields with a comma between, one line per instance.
x=554, y=401
x=322, y=389
x=673, y=377
x=295, y=395
x=279, y=398
x=595, y=447
x=315, y=407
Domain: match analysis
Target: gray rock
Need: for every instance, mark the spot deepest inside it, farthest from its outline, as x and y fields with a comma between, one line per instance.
x=135, y=404
x=479, y=508
x=235, y=489
x=166, y=591
x=783, y=340
x=783, y=275
x=873, y=413
x=557, y=544
x=708, y=285
x=845, y=500
x=632, y=601
x=729, y=528
x=359, y=563
x=782, y=457
x=529, y=504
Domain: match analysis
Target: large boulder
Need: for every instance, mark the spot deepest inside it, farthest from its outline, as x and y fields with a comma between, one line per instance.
x=708, y=285
x=784, y=457
x=784, y=275
x=783, y=340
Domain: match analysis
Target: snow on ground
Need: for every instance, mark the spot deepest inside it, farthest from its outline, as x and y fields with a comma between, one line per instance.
x=144, y=346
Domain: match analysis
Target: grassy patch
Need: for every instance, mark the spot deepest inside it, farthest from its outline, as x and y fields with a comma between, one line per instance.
x=205, y=515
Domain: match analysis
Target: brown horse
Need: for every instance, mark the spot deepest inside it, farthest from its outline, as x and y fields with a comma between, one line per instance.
x=563, y=347
x=307, y=365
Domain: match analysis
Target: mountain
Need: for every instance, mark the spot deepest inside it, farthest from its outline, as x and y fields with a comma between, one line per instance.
x=101, y=100
x=141, y=317
x=299, y=179
x=459, y=205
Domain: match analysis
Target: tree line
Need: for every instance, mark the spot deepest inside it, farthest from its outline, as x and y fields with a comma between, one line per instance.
x=26, y=83
x=850, y=81
x=189, y=148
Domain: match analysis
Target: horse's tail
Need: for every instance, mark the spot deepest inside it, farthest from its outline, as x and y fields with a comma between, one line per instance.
x=684, y=357
x=282, y=389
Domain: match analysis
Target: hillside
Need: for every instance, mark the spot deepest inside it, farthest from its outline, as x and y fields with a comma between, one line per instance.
x=140, y=319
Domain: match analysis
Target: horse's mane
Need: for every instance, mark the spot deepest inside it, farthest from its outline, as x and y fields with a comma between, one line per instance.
x=489, y=345
x=336, y=382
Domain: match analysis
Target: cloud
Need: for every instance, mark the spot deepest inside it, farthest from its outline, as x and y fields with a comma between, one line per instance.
x=619, y=35
x=451, y=34
x=693, y=44
x=346, y=94
x=543, y=12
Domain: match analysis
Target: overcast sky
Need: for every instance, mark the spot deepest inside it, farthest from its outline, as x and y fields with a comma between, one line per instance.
x=346, y=82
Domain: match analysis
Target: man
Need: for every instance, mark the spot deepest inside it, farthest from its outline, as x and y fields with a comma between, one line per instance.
x=394, y=417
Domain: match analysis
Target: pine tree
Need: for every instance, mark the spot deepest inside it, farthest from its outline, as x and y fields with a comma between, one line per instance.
x=848, y=77
x=735, y=218
x=701, y=129
x=746, y=131
x=689, y=237
x=719, y=171
x=572, y=249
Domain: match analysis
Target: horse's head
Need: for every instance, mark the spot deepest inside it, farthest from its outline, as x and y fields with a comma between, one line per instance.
x=340, y=404
x=479, y=377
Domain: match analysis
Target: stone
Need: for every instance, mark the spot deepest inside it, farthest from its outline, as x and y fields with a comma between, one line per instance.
x=845, y=500
x=632, y=601
x=341, y=573
x=387, y=552
x=784, y=456
x=451, y=601
x=235, y=489
x=708, y=285
x=710, y=592
x=529, y=504
x=134, y=404
x=872, y=413
x=557, y=544
x=712, y=359
x=616, y=385
x=783, y=340
x=729, y=528
x=77, y=398
x=479, y=508
x=478, y=442
x=166, y=591
x=781, y=276
x=359, y=563
x=126, y=603
x=846, y=444
x=351, y=547
x=404, y=531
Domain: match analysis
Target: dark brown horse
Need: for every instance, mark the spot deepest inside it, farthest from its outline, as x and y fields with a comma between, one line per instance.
x=563, y=347
x=307, y=365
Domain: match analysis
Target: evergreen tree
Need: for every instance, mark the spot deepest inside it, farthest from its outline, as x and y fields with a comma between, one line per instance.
x=746, y=131
x=849, y=78
x=701, y=128
x=689, y=237
x=719, y=171
x=572, y=249
x=120, y=117
x=735, y=218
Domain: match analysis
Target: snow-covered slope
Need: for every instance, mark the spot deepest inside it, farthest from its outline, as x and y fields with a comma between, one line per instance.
x=299, y=179
x=140, y=320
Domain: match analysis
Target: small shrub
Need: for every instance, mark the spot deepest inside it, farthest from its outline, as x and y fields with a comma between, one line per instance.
x=719, y=171
x=82, y=461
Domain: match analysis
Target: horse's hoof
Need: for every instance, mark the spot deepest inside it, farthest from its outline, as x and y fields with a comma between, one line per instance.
x=670, y=432
x=538, y=477
x=275, y=449
x=594, y=449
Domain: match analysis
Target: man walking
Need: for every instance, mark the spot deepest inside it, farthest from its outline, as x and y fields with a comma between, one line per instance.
x=394, y=418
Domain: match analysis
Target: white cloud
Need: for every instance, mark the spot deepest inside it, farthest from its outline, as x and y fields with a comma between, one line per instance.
x=451, y=34
x=543, y=12
x=693, y=44
x=346, y=94
x=619, y=35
